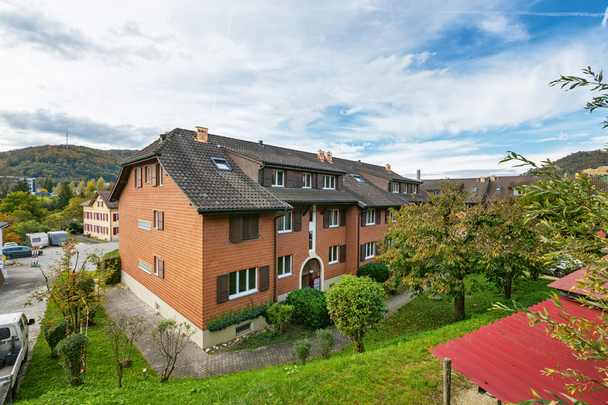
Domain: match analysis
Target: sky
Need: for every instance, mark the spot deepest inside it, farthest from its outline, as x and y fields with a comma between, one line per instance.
x=445, y=87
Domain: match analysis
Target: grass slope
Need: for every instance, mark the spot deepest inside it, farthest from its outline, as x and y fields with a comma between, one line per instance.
x=397, y=366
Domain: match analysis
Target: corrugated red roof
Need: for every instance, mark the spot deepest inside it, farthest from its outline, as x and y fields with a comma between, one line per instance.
x=506, y=358
x=568, y=283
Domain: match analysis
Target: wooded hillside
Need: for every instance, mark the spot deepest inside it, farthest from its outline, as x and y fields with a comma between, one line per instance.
x=77, y=163
x=579, y=161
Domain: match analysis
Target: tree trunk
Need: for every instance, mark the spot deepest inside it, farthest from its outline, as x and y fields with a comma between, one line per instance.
x=459, y=312
x=506, y=287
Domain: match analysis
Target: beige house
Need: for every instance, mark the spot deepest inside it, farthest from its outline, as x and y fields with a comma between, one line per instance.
x=100, y=217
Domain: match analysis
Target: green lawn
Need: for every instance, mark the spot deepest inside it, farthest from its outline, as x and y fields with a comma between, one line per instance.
x=291, y=333
x=397, y=366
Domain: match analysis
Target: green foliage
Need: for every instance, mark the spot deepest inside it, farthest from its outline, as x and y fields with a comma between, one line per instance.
x=64, y=165
x=48, y=183
x=122, y=332
x=22, y=201
x=302, y=349
x=376, y=271
x=356, y=305
x=325, y=341
x=279, y=316
x=54, y=331
x=71, y=349
x=234, y=317
x=309, y=308
x=22, y=186
x=171, y=338
x=64, y=197
x=23, y=228
x=110, y=266
x=559, y=400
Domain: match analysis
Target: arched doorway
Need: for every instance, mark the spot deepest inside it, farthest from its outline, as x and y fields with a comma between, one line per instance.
x=311, y=275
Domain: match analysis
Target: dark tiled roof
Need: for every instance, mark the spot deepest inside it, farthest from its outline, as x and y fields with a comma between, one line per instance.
x=189, y=164
x=380, y=171
x=311, y=195
x=105, y=197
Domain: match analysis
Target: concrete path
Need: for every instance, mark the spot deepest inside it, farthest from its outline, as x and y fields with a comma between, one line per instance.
x=200, y=364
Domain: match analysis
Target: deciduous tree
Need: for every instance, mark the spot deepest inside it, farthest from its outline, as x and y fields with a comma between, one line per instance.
x=122, y=332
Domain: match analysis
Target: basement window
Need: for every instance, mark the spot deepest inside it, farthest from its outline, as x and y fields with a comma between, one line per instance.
x=221, y=164
x=243, y=329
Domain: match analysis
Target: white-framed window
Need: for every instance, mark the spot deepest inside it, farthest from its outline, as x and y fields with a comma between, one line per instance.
x=358, y=178
x=242, y=282
x=147, y=174
x=159, y=220
x=160, y=176
x=156, y=265
x=333, y=254
x=147, y=225
x=515, y=191
x=306, y=180
x=391, y=214
x=370, y=217
x=145, y=267
x=329, y=182
x=416, y=188
x=334, y=218
x=278, y=178
x=284, y=266
x=395, y=187
x=285, y=223
x=370, y=250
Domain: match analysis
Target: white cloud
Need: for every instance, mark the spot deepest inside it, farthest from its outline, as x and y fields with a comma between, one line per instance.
x=501, y=26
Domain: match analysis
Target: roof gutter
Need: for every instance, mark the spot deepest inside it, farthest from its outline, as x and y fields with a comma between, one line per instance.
x=220, y=211
x=302, y=167
x=139, y=159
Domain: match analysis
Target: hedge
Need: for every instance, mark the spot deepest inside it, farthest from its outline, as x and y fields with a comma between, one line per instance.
x=227, y=319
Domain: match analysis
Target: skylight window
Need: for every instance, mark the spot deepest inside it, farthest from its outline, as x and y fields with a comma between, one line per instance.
x=358, y=178
x=475, y=189
x=221, y=164
x=498, y=188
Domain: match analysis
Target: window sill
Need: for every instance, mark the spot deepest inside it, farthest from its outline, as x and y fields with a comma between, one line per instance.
x=241, y=295
x=334, y=226
x=284, y=275
x=328, y=188
x=334, y=262
x=289, y=231
x=368, y=224
x=278, y=186
x=368, y=258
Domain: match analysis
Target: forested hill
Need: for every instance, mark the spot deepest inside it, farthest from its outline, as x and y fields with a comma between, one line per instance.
x=579, y=161
x=77, y=163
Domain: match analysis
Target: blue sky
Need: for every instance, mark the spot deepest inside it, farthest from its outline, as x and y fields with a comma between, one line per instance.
x=444, y=87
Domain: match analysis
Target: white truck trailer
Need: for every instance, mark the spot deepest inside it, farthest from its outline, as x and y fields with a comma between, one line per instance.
x=14, y=337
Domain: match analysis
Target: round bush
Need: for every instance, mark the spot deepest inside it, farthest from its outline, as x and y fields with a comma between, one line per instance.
x=309, y=308
x=70, y=350
x=54, y=331
x=376, y=271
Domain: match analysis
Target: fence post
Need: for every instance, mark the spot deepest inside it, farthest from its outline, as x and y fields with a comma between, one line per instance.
x=447, y=380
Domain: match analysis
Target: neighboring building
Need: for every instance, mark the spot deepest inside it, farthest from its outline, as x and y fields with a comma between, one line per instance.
x=3, y=273
x=212, y=224
x=31, y=182
x=481, y=189
x=100, y=217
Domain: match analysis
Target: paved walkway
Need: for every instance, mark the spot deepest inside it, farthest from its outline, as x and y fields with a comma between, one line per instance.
x=200, y=364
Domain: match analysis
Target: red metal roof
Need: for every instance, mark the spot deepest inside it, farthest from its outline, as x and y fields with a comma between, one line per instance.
x=506, y=358
x=568, y=283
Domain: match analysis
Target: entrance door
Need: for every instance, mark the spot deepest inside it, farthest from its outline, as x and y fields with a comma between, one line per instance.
x=312, y=227
x=311, y=274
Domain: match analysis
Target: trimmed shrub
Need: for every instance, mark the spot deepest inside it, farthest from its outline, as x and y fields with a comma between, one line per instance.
x=226, y=319
x=325, y=341
x=376, y=271
x=54, y=331
x=279, y=316
x=70, y=351
x=302, y=348
x=356, y=305
x=309, y=308
x=110, y=267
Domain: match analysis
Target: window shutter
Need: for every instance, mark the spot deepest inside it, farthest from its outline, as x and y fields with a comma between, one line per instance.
x=339, y=182
x=386, y=215
x=267, y=177
x=342, y=253
x=378, y=216
x=363, y=218
x=153, y=172
x=236, y=231
x=264, y=278
x=223, y=282
x=161, y=220
x=326, y=218
x=297, y=221
x=313, y=180
x=297, y=179
x=377, y=250
x=161, y=268
x=250, y=227
x=289, y=178
x=390, y=186
x=362, y=252
x=342, y=217
x=319, y=181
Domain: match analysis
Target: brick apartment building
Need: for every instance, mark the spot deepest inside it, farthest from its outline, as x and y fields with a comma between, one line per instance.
x=211, y=223
x=100, y=217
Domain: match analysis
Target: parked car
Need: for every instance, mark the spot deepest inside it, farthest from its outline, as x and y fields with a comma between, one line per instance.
x=18, y=251
x=9, y=244
x=14, y=337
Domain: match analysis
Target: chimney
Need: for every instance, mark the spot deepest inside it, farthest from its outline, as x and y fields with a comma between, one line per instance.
x=201, y=134
x=328, y=157
x=493, y=178
x=261, y=143
x=320, y=155
x=418, y=175
x=163, y=137
x=387, y=167
x=482, y=179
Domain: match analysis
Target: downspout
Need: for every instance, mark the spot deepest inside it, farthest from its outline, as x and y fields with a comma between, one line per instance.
x=274, y=299
x=359, y=236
